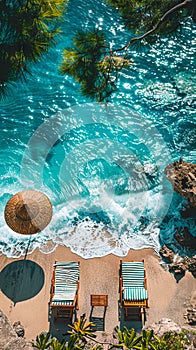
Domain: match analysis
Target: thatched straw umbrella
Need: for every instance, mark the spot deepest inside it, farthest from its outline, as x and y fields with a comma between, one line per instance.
x=28, y=212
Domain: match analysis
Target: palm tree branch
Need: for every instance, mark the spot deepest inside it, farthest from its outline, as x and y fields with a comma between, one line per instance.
x=163, y=19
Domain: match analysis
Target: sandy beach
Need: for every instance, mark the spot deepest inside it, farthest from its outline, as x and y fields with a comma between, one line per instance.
x=167, y=298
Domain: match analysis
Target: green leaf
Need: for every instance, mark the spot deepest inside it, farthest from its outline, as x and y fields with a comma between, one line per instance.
x=26, y=34
x=43, y=341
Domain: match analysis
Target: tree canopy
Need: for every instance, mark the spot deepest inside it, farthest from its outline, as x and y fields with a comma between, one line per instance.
x=88, y=63
x=147, y=19
x=27, y=29
x=141, y=16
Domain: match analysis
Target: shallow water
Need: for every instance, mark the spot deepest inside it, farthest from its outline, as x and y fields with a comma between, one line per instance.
x=102, y=166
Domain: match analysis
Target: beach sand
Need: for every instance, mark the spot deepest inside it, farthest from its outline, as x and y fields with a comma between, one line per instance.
x=167, y=298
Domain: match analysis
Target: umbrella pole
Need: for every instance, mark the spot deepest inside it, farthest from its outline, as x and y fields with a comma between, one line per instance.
x=27, y=248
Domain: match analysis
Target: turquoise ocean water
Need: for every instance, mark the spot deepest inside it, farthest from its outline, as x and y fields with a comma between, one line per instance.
x=102, y=166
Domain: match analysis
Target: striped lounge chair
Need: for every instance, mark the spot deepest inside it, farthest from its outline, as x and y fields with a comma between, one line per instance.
x=133, y=288
x=64, y=290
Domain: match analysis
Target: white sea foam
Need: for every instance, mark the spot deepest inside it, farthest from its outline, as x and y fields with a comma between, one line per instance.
x=85, y=235
x=108, y=196
x=90, y=237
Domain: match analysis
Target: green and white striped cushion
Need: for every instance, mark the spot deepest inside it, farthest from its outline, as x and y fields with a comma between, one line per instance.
x=135, y=293
x=66, y=278
x=133, y=274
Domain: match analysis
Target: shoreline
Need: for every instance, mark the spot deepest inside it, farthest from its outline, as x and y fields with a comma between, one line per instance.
x=167, y=298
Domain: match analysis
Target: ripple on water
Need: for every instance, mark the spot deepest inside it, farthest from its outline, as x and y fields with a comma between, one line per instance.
x=160, y=86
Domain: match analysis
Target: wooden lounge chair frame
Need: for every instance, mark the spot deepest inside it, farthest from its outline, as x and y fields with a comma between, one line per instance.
x=62, y=310
x=132, y=307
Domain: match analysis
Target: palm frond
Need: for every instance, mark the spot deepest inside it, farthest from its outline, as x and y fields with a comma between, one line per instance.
x=28, y=29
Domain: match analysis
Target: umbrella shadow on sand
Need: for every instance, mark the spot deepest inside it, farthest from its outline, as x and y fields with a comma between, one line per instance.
x=21, y=280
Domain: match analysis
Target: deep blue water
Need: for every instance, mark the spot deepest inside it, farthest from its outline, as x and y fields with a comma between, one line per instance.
x=102, y=166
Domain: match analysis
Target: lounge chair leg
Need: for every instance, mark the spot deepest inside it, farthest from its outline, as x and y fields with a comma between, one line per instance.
x=142, y=316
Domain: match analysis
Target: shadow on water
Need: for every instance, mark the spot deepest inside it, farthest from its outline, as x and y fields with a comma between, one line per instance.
x=21, y=280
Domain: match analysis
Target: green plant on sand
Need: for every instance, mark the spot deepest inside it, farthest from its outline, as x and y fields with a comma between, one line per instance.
x=127, y=338
x=43, y=341
x=82, y=336
x=82, y=330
